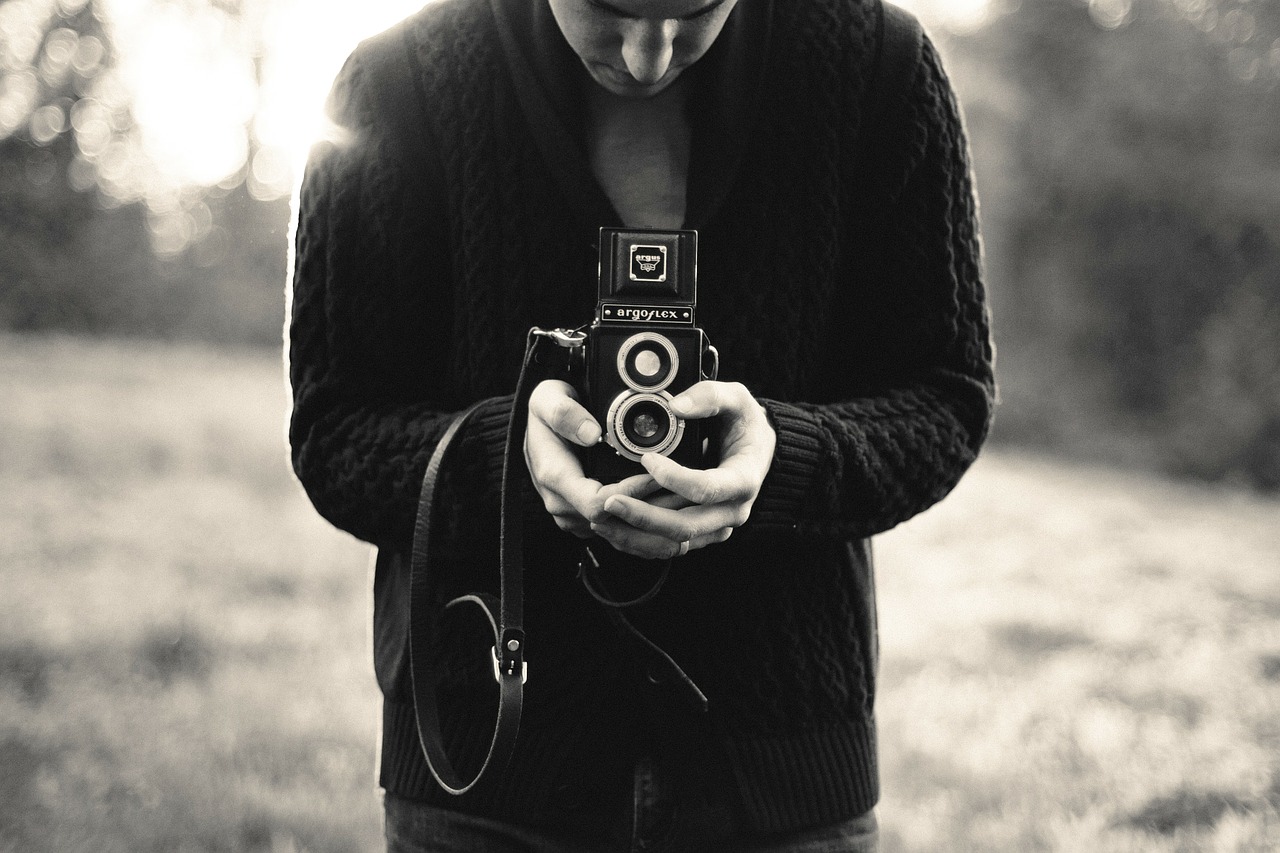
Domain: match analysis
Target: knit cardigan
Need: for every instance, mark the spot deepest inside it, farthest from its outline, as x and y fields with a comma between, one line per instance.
x=839, y=277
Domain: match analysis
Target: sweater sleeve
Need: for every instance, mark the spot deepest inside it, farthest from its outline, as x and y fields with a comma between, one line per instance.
x=864, y=463
x=368, y=330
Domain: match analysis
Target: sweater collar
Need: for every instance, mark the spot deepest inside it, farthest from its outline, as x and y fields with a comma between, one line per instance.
x=549, y=83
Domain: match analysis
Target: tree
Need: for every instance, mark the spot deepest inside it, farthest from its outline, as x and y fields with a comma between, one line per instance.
x=1135, y=237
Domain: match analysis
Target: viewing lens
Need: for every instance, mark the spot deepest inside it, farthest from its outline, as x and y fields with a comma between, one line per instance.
x=648, y=361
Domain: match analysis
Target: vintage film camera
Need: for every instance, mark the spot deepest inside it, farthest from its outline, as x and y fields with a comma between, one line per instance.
x=642, y=349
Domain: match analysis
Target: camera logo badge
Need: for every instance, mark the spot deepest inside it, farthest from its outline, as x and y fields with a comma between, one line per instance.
x=648, y=263
x=619, y=313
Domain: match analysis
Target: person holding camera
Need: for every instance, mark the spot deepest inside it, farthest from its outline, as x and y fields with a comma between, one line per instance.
x=815, y=149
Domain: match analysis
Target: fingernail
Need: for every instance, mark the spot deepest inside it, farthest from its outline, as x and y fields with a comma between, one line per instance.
x=611, y=505
x=588, y=433
x=681, y=406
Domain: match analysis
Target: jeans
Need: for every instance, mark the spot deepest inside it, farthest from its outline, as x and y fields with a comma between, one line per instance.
x=658, y=822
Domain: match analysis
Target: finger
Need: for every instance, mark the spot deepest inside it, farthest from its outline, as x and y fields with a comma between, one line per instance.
x=738, y=478
x=566, y=517
x=555, y=404
x=528, y=465
x=556, y=471
x=639, y=486
x=676, y=525
x=575, y=525
x=638, y=543
x=549, y=459
x=669, y=500
x=704, y=399
x=713, y=538
x=627, y=539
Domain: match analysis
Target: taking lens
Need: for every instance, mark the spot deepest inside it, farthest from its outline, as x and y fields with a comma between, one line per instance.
x=639, y=423
x=646, y=424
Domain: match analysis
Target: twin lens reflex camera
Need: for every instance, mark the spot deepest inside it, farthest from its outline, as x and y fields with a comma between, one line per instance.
x=641, y=350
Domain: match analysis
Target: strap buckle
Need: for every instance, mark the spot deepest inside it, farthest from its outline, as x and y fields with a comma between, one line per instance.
x=510, y=662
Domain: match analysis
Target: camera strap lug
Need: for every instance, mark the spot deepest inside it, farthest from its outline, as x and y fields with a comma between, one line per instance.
x=567, y=338
x=714, y=355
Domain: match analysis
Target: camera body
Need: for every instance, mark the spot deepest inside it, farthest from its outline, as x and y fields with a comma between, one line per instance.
x=642, y=349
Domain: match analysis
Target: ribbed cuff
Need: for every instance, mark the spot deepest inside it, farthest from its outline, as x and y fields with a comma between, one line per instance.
x=799, y=463
x=488, y=432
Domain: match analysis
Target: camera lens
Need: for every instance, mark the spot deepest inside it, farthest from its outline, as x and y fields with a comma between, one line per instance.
x=646, y=424
x=642, y=423
x=647, y=362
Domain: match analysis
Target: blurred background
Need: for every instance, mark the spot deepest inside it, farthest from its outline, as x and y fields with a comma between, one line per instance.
x=1127, y=153
x=163, y=577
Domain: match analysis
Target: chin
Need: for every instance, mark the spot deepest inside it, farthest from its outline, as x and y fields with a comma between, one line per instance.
x=612, y=81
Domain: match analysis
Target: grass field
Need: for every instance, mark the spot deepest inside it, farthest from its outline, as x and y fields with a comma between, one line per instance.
x=1073, y=659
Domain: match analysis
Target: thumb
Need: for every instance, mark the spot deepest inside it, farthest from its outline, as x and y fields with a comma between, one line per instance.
x=706, y=399
x=555, y=403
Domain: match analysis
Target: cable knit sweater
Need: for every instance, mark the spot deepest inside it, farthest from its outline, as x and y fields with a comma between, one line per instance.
x=840, y=281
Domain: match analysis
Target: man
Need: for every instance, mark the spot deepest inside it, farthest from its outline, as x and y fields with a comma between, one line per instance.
x=839, y=278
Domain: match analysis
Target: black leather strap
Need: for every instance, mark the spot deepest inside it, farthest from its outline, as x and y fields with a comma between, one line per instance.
x=505, y=614
x=589, y=566
x=508, y=623
x=660, y=667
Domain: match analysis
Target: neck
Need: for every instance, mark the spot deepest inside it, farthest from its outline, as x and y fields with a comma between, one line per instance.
x=639, y=153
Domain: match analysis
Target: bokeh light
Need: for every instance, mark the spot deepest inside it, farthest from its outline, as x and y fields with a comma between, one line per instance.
x=957, y=16
x=1111, y=14
x=192, y=88
x=165, y=100
x=304, y=44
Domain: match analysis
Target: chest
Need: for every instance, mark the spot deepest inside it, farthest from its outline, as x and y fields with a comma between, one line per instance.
x=638, y=150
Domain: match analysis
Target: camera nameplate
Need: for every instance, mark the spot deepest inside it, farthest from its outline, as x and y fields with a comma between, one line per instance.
x=648, y=263
x=668, y=315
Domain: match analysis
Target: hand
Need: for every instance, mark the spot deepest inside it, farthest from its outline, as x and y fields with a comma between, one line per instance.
x=699, y=507
x=557, y=421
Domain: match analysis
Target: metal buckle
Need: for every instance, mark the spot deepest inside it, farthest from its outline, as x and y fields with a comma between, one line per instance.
x=497, y=669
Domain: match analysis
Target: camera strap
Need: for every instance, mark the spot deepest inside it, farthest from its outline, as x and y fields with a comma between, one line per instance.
x=659, y=666
x=505, y=615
